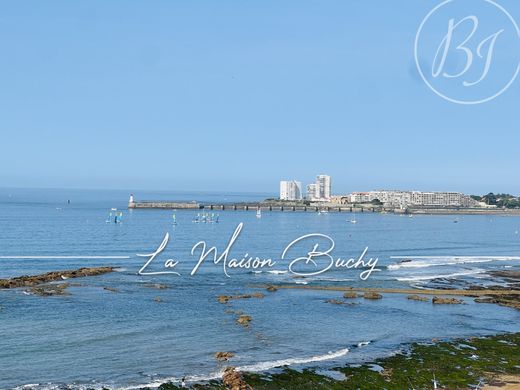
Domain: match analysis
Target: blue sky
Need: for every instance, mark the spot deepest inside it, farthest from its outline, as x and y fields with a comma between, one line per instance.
x=235, y=95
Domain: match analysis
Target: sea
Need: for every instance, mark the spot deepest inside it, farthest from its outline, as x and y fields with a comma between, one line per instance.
x=126, y=329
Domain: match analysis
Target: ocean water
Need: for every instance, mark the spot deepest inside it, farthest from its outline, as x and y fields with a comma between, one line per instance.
x=94, y=337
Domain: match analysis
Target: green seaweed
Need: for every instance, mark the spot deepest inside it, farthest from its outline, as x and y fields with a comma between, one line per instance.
x=457, y=364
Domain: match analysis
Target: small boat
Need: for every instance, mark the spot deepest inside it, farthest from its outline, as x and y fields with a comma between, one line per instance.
x=258, y=213
x=353, y=221
x=174, y=217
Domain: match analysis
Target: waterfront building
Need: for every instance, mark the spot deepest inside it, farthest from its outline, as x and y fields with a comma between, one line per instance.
x=290, y=190
x=403, y=199
x=312, y=192
x=323, y=183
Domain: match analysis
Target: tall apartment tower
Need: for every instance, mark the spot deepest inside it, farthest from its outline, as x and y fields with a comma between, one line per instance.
x=323, y=183
x=312, y=192
x=290, y=190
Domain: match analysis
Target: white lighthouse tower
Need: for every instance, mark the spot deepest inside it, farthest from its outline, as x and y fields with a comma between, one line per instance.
x=131, y=201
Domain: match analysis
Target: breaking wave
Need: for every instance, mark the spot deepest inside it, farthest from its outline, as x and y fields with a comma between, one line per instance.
x=445, y=276
x=436, y=261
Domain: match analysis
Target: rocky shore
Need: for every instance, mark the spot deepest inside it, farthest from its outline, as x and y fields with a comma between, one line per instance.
x=501, y=295
x=34, y=280
x=489, y=362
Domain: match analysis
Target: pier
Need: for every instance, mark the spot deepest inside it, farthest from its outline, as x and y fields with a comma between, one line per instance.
x=313, y=207
x=249, y=206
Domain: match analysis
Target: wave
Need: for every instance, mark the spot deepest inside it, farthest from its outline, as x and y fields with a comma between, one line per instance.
x=277, y=272
x=288, y=362
x=434, y=261
x=257, y=367
x=445, y=276
x=331, y=279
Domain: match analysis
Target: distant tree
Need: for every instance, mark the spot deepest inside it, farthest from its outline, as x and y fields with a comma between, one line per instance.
x=377, y=202
x=478, y=198
x=490, y=199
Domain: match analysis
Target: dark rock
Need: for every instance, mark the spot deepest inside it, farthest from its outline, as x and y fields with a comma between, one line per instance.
x=224, y=356
x=372, y=295
x=227, y=298
x=244, y=320
x=233, y=380
x=50, y=290
x=446, y=301
x=417, y=298
x=157, y=286
x=29, y=281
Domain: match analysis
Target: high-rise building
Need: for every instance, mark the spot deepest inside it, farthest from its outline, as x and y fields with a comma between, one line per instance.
x=320, y=190
x=324, y=187
x=312, y=192
x=290, y=190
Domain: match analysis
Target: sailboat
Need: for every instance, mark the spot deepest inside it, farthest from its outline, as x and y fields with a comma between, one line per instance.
x=353, y=220
x=258, y=213
x=174, y=217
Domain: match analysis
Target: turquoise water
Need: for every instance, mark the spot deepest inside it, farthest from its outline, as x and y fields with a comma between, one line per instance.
x=94, y=337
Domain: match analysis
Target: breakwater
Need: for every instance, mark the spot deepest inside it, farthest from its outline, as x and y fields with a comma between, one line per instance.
x=313, y=207
x=249, y=206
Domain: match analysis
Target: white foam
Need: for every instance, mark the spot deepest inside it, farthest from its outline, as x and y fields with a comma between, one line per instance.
x=445, y=276
x=291, y=361
x=277, y=272
x=435, y=261
x=263, y=366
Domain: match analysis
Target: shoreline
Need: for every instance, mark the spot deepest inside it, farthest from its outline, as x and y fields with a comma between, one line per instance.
x=491, y=362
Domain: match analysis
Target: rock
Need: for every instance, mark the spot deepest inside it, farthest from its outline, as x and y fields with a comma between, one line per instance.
x=350, y=294
x=271, y=288
x=227, y=298
x=233, y=380
x=50, y=289
x=157, y=286
x=244, y=320
x=223, y=356
x=446, y=301
x=417, y=298
x=512, y=300
x=335, y=301
x=223, y=298
x=387, y=373
x=372, y=295
x=29, y=281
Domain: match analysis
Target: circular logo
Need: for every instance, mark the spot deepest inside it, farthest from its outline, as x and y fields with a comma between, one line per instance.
x=468, y=51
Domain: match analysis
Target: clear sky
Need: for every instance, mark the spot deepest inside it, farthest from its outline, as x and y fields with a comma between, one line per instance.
x=236, y=95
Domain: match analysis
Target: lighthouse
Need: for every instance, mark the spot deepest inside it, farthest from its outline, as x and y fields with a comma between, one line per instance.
x=131, y=201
